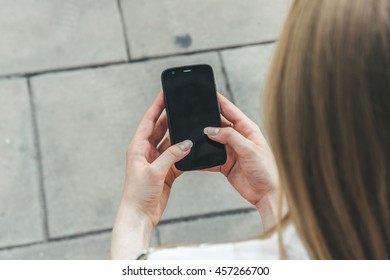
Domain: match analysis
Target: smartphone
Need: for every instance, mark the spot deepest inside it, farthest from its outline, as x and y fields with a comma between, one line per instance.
x=191, y=104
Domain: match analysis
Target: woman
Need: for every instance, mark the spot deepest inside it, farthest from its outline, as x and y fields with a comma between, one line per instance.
x=327, y=109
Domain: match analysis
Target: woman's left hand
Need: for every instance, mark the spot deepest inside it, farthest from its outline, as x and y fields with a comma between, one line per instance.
x=150, y=173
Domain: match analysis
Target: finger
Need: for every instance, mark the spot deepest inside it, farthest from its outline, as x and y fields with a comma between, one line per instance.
x=212, y=169
x=225, y=122
x=241, y=122
x=170, y=178
x=149, y=120
x=165, y=144
x=165, y=196
x=230, y=111
x=230, y=137
x=159, y=130
x=168, y=158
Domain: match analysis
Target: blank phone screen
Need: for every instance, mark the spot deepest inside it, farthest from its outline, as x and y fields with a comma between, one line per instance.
x=191, y=105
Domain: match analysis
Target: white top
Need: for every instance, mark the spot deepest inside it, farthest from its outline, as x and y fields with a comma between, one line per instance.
x=266, y=249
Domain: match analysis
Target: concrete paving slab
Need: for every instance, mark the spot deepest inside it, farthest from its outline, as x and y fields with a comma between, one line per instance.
x=216, y=229
x=20, y=210
x=247, y=70
x=164, y=27
x=197, y=192
x=86, y=120
x=52, y=34
x=93, y=247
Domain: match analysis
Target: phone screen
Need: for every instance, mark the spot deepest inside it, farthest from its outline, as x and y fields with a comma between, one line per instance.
x=191, y=104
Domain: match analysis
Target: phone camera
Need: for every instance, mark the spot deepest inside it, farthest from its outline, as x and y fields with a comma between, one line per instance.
x=173, y=72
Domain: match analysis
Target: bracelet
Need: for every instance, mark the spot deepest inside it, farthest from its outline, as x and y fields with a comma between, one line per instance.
x=143, y=255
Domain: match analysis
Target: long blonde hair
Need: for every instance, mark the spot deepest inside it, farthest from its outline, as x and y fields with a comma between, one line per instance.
x=327, y=110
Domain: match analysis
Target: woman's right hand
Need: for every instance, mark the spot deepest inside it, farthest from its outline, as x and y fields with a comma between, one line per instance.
x=250, y=165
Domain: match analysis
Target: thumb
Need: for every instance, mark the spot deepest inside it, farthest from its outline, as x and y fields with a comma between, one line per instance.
x=232, y=138
x=171, y=155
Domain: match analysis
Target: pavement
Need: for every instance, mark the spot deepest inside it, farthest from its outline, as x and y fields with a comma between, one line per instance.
x=76, y=77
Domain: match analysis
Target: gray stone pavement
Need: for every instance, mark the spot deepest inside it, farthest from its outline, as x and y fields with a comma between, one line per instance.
x=75, y=79
x=247, y=70
x=53, y=34
x=199, y=24
x=20, y=213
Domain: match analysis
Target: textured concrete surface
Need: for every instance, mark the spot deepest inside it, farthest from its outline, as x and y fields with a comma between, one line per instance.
x=170, y=27
x=50, y=34
x=196, y=193
x=20, y=212
x=218, y=229
x=247, y=70
x=63, y=150
x=94, y=247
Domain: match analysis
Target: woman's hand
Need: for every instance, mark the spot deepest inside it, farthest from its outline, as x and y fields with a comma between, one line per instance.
x=250, y=165
x=150, y=173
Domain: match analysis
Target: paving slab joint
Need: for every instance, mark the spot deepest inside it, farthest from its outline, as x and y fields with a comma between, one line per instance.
x=42, y=195
x=123, y=24
x=225, y=75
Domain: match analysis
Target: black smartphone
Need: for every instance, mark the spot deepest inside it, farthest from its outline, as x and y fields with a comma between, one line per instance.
x=191, y=104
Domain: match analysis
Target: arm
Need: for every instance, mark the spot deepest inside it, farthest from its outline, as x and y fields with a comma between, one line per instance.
x=267, y=208
x=150, y=173
x=250, y=166
x=131, y=233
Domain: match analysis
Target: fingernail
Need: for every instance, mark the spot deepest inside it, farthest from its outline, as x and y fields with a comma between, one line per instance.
x=212, y=131
x=185, y=145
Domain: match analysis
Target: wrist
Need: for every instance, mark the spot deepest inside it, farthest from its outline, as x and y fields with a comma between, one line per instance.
x=131, y=207
x=131, y=233
x=267, y=207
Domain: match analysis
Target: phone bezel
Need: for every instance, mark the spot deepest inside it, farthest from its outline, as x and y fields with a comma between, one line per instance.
x=191, y=67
